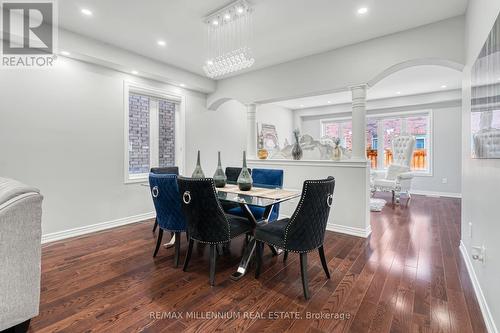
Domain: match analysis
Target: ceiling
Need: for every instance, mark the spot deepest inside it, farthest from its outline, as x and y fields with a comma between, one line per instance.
x=283, y=29
x=409, y=81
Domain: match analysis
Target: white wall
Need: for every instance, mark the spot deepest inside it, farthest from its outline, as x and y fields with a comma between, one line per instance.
x=281, y=117
x=351, y=65
x=480, y=178
x=62, y=130
x=209, y=132
x=447, y=118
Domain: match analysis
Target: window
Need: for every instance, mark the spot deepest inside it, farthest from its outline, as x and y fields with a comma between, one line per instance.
x=152, y=123
x=372, y=142
x=392, y=128
x=387, y=127
x=339, y=129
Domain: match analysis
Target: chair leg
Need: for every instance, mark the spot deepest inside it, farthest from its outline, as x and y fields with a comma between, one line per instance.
x=155, y=225
x=177, y=249
x=303, y=271
x=273, y=250
x=158, y=243
x=258, y=257
x=285, y=256
x=213, y=257
x=323, y=261
x=188, y=255
x=398, y=197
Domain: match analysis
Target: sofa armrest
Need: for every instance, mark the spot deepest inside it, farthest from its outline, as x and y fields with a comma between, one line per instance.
x=20, y=252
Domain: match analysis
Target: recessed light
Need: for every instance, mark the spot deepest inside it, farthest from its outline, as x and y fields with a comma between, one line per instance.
x=215, y=22
x=161, y=43
x=329, y=102
x=227, y=17
x=134, y=72
x=398, y=92
x=301, y=105
x=65, y=53
x=239, y=10
x=182, y=85
x=443, y=86
x=362, y=10
x=86, y=12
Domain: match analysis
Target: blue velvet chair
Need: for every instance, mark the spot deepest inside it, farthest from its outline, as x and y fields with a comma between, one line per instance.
x=164, y=170
x=169, y=215
x=268, y=178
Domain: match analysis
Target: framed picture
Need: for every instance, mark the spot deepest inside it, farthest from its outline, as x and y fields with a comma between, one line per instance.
x=485, y=98
x=270, y=137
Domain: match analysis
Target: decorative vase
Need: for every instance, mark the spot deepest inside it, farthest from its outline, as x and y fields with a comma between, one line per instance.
x=337, y=154
x=219, y=175
x=296, y=150
x=198, y=172
x=245, y=179
x=262, y=152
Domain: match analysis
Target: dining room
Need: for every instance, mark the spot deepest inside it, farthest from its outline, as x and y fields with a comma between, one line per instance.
x=249, y=166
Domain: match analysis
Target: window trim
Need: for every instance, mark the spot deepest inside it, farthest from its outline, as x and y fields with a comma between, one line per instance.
x=398, y=114
x=180, y=133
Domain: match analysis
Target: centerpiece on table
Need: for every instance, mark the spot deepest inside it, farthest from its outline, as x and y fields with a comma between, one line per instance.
x=219, y=175
x=245, y=178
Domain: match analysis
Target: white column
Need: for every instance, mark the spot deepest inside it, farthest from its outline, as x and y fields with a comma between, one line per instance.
x=251, y=131
x=358, y=121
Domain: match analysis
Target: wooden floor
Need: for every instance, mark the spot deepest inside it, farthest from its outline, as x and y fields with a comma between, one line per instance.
x=407, y=277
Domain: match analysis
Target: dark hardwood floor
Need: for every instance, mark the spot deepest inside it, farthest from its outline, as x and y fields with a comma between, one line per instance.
x=407, y=277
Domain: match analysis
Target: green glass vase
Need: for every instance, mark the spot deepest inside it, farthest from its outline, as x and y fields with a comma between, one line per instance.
x=198, y=172
x=245, y=178
x=219, y=175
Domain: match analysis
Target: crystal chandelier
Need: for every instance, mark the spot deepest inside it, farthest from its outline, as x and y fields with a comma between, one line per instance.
x=228, y=37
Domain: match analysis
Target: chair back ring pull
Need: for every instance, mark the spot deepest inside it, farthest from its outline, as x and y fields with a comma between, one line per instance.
x=329, y=200
x=155, y=192
x=186, y=197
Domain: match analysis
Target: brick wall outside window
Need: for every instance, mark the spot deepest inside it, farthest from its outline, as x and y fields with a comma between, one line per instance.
x=138, y=134
x=166, y=110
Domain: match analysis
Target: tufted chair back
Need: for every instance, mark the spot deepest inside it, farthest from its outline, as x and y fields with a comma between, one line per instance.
x=204, y=215
x=166, y=200
x=487, y=144
x=171, y=170
x=233, y=173
x=402, y=150
x=306, y=229
x=269, y=178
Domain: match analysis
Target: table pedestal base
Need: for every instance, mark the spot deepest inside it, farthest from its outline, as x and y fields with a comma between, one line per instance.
x=245, y=261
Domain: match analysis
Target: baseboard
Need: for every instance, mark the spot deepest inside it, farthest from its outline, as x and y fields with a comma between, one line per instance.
x=488, y=318
x=437, y=194
x=359, y=232
x=59, y=235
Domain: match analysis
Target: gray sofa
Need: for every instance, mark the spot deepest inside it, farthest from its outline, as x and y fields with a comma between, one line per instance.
x=20, y=251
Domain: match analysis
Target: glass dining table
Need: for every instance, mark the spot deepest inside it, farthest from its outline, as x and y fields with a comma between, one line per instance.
x=265, y=198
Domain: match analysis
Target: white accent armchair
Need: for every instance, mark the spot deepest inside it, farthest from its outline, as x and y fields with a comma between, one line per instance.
x=397, y=178
x=487, y=143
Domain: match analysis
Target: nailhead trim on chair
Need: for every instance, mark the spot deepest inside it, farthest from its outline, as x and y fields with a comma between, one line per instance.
x=218, y=204
x=292, y=219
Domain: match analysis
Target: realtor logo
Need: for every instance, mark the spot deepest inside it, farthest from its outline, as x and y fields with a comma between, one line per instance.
x=28, y=36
